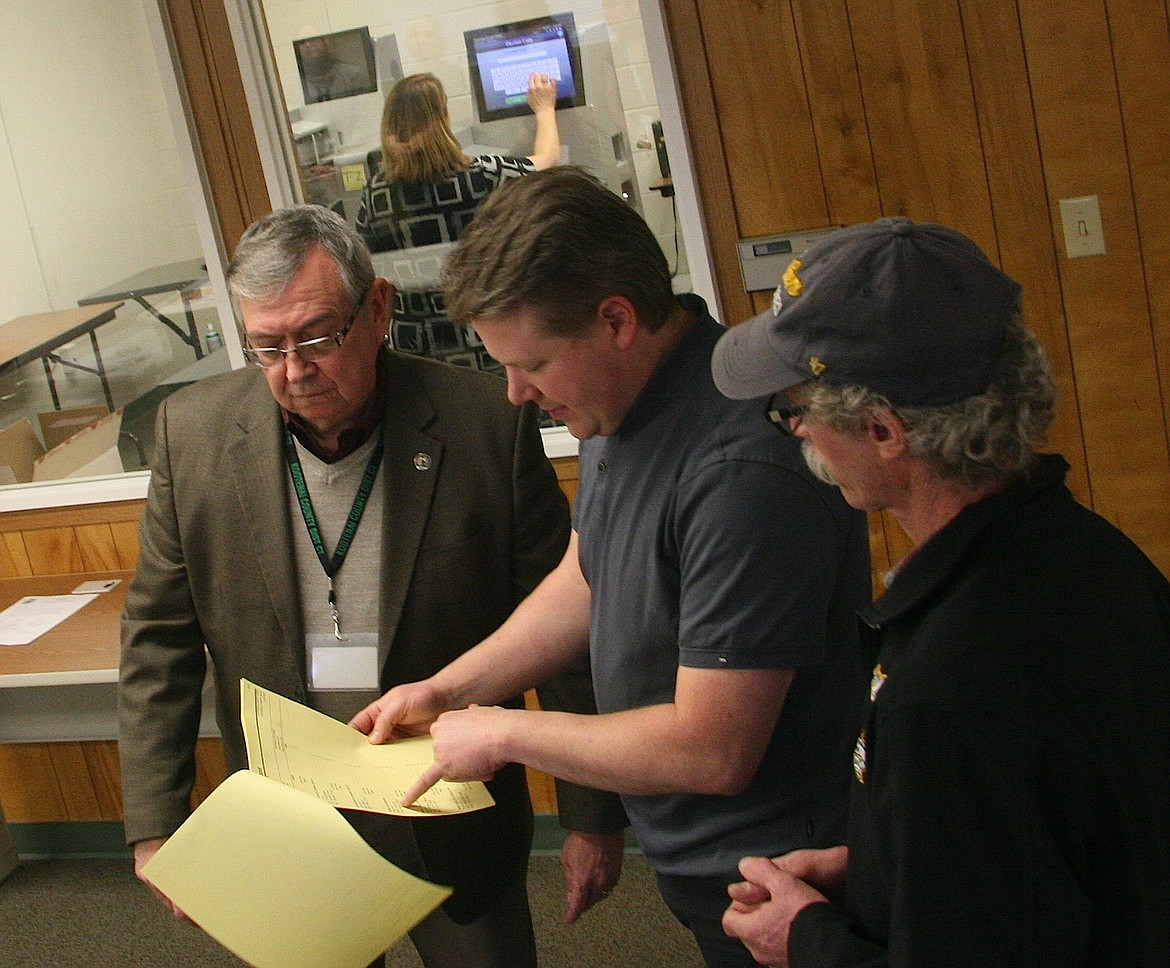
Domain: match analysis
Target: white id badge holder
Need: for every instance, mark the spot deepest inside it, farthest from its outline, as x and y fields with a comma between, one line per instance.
x=348, y=663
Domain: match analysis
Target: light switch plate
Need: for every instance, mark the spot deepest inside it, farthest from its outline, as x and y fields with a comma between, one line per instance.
x=1081, y=218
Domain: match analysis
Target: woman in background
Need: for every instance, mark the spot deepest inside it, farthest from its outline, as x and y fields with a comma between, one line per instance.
x=426, y=193
x=428, y=187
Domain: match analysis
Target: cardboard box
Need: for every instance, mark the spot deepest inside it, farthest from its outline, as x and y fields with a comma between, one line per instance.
x=90, y=452
x=82, y=443
x=57, y=426
x=19, y=447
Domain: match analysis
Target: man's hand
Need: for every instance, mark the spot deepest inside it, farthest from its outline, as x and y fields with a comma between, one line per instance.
x=465, y=748
x=821, y=869
x=143, y=851
x=406, y=710
x=592, y=864
x=765, y=904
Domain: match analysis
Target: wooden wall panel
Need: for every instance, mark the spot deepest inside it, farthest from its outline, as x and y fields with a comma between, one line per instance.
x=566, y=468
x=707, y=152
x=1141, y=41
x=55, y=782
x=99, y=552
x=920, y=110
x=880, y=554
x=124, y=534
x=981, y=114
x=57, y=541
x=757, y=102
x=13, y=558
x=103, y=767
x=53, y=551
x=210, y=768
x=1026, y=248
x=74, y=780
x=1071, y=63
x=837, y=108
x=29, y=786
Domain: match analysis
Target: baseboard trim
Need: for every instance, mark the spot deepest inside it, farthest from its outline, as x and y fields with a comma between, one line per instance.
x=73, y=838
x=107, y=838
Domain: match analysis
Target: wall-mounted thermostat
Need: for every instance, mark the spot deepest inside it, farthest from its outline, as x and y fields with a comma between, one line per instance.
x=762, y=260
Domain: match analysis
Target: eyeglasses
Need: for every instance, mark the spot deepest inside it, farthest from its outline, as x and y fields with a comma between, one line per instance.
x=787, y=418
x=310, y=350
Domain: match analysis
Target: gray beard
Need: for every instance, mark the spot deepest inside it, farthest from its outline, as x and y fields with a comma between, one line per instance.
x=815, y=464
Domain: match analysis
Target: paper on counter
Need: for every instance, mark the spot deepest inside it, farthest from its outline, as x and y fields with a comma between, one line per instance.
x=28, y=619
x=282, y=880
x=307, y=750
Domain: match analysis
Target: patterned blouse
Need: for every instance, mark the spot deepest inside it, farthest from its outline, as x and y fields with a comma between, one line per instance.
x=405, y=215
x=401, y=215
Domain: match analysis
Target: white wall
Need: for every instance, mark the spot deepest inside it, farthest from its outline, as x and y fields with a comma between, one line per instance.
x=91, y=188
x=430, y=38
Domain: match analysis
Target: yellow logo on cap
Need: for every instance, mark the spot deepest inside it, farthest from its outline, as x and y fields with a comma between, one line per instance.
x=792, y=284
x=815, y=364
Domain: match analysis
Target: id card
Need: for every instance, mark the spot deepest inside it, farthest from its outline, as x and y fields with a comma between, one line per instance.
x=342, y=664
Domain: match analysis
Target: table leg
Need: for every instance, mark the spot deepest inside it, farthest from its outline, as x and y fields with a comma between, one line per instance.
x=191, y=337
x=192, y=331
x=101, y=371
x=52, y=383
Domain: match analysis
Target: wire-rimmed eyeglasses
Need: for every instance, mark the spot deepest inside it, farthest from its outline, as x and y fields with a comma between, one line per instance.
x=784, y=418
x=310, y=350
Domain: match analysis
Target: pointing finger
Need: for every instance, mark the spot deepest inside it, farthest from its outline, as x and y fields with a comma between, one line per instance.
x=430, y=776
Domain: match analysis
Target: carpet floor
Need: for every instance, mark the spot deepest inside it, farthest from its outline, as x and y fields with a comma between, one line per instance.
x=65, y=913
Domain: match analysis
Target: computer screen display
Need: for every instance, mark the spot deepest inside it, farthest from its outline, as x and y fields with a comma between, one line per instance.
x=336, y=65
x=501, y=58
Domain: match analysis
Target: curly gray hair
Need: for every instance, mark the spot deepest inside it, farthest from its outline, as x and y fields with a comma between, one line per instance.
x=981, y=440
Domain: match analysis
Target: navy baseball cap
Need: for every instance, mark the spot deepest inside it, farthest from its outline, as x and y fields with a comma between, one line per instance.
x=911, y=310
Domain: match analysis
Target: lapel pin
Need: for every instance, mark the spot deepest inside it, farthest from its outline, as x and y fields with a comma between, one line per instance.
x=422, y=462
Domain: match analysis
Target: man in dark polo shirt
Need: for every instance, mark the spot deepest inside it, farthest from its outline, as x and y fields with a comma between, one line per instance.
x=713, y=581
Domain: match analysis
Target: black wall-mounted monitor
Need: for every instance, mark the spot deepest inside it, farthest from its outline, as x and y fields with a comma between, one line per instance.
x=500, y=59
x=336, y=65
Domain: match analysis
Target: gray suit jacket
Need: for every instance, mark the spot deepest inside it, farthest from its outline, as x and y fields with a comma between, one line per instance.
x=462, y=544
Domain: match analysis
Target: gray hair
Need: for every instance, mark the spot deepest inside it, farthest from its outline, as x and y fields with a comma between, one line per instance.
x=275, y=246
x=984, y=439
x=561, y=242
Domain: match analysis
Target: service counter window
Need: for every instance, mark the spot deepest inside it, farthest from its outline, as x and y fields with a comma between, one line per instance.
x=321, y=72
x=109, y=300
x=113, y=294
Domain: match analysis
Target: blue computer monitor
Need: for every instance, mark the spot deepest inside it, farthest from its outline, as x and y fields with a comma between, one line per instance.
x=500, y=58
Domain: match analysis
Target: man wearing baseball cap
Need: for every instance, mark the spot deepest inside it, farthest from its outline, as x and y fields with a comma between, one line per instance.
x=1011, y=795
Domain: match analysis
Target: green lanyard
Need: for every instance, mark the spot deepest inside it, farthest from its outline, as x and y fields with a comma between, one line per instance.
x=331, y=565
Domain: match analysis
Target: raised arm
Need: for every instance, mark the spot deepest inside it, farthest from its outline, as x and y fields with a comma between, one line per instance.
x=542, y=98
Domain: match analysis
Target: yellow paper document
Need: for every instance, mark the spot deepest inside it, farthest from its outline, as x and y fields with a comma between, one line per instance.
x=282, y=880
x=307, y=750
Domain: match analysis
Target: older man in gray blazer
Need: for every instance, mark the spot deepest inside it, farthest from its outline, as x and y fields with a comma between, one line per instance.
x=333, y=521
